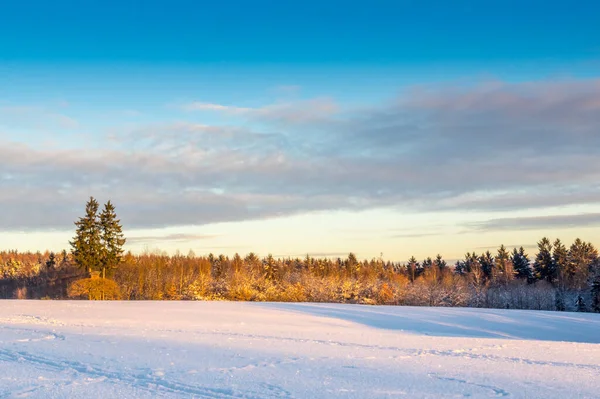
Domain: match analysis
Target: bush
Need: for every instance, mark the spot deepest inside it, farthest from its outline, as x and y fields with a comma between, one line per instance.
x=94, y=289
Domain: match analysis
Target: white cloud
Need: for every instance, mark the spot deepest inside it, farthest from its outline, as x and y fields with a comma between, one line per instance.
x=292, y=112
x=35, y=117
x=200, y=106
x=489, y=148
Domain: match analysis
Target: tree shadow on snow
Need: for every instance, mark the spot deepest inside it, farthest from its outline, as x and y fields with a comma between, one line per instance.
x=460, y=322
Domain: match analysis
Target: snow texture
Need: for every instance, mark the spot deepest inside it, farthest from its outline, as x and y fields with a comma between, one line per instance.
x=61, y=349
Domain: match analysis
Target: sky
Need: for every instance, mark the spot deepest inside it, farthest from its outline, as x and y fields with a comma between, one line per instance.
x=385, y=128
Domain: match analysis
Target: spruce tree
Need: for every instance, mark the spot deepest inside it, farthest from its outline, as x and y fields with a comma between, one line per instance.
x=460, y=267
x=520, y=261
x=560, y=256
x=440, y=262
x=486, y=261
x=412, y=268
x=112, y=239
x=270, y=267
x=427, y=264
x=544, y=266
x=504, y=266
x=237, y=263
x=51, y=262
x=87, y=244
x=472, y=262
x=352, y=264
x=581, y=257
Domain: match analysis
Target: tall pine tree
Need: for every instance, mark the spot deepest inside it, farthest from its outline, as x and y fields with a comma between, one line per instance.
x=560, y=256
x=581, y=257
x=86, y=246
x=486, y=261
x=504, y=267
x=413, y=268
x=520, y=261
x=544, y=266
x=112, y=239
x=440, y=262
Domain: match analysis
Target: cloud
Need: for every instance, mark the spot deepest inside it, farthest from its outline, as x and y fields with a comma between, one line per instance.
x=487, y=148
x=539, y=222
x=415, y=235
x=33, y=117
x=179, y=238
x=508, y=246
x=289, y=112
x=200, y=106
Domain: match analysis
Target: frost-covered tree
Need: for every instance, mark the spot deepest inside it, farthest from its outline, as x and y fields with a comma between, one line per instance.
x=581, y=257
x=270, y=267
x=237, y=263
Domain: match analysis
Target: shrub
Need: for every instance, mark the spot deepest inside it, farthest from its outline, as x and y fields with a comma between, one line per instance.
x=94, y=289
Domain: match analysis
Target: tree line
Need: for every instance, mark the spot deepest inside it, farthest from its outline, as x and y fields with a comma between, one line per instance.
x=557, y=277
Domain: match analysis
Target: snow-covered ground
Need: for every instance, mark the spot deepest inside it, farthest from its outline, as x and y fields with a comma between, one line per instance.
x=59, y=349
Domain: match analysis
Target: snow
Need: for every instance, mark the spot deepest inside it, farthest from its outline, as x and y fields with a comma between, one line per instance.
x=63, y=349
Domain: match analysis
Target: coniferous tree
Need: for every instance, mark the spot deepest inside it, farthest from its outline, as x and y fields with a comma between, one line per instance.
x=412, y=268
x=352, y=264
x=440, y=262
x=217, y=266
x=460, y=267
x=237, y=263
x=560, y=255
x=504, y=267
x=112, y=238
x=471, y=261
x=581, y=257
x=51, y=262
x=521, y=264
x=270, y=267
x=427, y=264
x=544, y=266
x=486, y=261
x=64, y=257
x=252, y=261
x=86, y=246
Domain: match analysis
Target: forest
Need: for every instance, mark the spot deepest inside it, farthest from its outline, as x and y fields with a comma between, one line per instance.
x=557, y=277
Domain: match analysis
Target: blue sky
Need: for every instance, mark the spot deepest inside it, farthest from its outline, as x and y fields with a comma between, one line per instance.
x=310, y=32
x=395, y=127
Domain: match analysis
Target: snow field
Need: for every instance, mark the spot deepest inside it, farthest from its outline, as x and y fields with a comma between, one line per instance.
x=63, y=349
